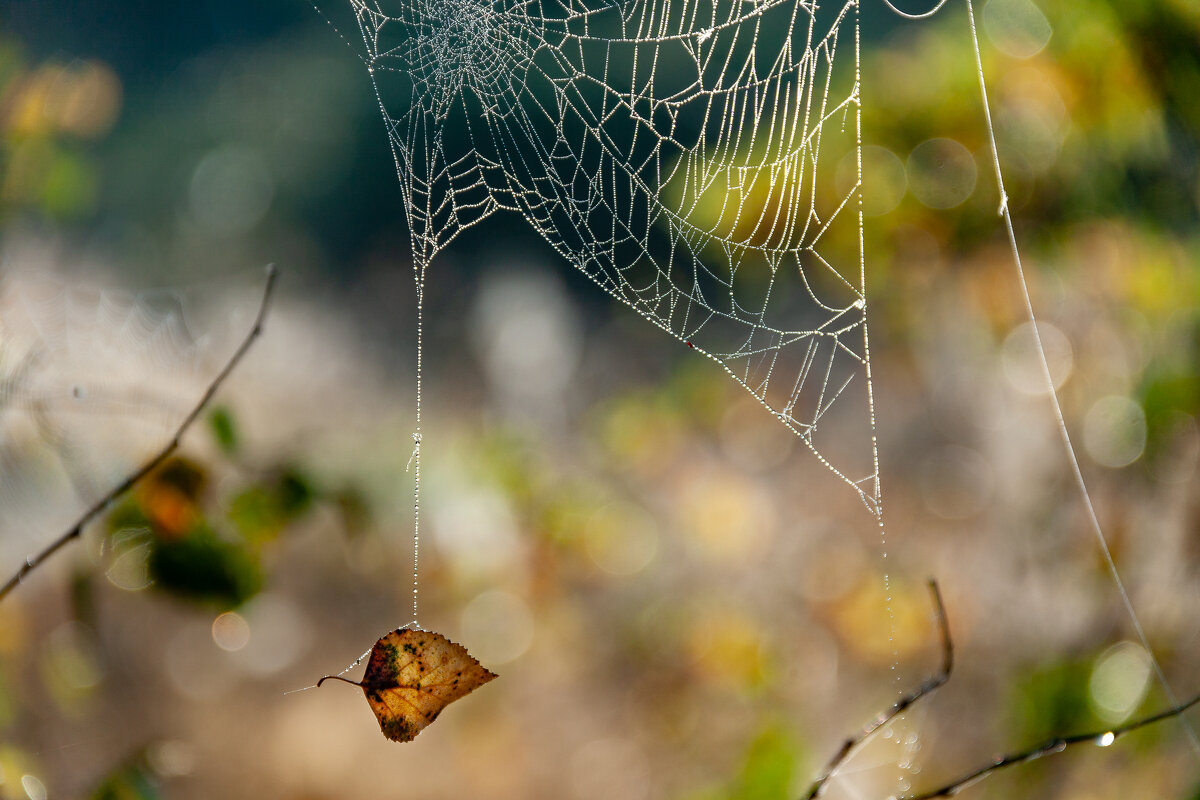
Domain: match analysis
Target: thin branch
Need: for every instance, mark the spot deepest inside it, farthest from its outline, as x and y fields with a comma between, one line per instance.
x=34, y=561
x=901, y=705
x=1101, y=738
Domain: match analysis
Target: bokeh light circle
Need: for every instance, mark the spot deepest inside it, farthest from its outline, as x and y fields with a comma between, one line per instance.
x=1023, y=364
x=499, y=627
x=1119, y=682
x=941, y=173
x=1017, y=28
x=1114, y=431
x=883, y=177
x=230, y=631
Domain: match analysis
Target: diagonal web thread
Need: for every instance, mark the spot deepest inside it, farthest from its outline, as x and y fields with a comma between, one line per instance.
x=1060, y=420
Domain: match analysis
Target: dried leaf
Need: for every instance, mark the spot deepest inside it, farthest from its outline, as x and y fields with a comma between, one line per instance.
x=412, y=675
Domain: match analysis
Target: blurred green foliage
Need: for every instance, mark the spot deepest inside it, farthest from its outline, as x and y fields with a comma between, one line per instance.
x=261, y=511
x=1092, y=126
x=1051, y=700
x=769, y=769
x=51, y=115
x=220, y=421
x=134, y=781
x=207, y=545
x=1099, y=141
x=8, y=705
x=204, y=567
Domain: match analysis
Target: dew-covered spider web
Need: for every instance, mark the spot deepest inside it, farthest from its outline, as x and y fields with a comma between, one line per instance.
x=700, y=161
x=697, y=160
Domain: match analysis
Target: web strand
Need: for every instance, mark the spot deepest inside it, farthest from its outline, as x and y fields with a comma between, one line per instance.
x=862, y=271
x=416, y=453
x=1060, y=420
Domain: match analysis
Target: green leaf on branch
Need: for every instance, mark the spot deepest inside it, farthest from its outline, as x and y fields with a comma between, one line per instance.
x=224, y=430
x=201, y=566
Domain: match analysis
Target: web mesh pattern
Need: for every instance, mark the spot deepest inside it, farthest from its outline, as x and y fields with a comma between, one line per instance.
x=697, y=160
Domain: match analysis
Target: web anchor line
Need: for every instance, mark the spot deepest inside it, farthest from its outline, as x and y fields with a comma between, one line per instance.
x=415, y=459
x=1060, y=419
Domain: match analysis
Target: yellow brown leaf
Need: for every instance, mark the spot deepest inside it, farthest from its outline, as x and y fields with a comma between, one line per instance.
x=412, y=675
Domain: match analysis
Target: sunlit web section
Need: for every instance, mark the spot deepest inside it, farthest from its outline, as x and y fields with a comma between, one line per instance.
x=92, y=381
x=697, y=160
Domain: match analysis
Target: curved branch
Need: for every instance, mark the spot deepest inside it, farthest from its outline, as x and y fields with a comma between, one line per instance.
x=75, y=531
x=900, y=706
x=1101, y=738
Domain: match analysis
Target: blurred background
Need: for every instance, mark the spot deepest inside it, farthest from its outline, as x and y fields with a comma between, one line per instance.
x=680, y=601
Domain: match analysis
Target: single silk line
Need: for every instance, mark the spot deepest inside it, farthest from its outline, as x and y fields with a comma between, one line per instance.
x=1077, y=473
x=419, y=264
x=415, y=459
x=862, y=277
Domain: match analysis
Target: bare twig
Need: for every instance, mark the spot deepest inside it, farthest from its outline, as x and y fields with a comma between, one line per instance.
x=900, y=706
x=1102, y=738
x=34, y=561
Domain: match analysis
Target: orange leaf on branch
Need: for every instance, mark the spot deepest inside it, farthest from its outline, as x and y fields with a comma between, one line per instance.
x=411, y=676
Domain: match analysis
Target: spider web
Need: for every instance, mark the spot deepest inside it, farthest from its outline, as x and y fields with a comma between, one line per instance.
x=683, y=154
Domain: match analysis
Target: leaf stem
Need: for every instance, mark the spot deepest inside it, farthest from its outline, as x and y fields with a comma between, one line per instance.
x=338, y=678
